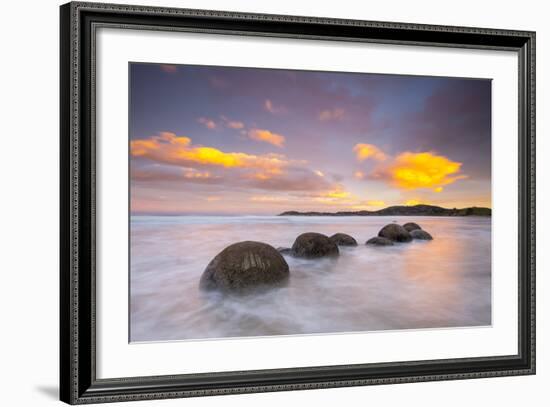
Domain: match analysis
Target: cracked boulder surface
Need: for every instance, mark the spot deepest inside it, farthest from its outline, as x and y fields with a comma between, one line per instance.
x=243, y=266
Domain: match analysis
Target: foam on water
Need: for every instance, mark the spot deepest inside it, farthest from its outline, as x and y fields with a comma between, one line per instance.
x=424, y=284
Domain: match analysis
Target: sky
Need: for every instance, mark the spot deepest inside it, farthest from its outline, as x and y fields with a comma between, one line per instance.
x=235, y=141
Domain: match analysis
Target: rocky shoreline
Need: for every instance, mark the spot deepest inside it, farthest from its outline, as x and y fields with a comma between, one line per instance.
x=244, y=266
x=416, y=210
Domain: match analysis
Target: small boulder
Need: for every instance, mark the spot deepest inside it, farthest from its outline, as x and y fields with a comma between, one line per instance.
x=379, y=241
x=421, y=234
x=284, y=250
x=341, y=239
x=411, y=226
x=243, y=266
x=395, y=232
x=314, y=245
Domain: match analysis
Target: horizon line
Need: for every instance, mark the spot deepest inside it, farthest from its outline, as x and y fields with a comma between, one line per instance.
x=151, y=213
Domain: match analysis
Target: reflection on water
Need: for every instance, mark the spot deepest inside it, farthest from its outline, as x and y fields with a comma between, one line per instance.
x=424, y=284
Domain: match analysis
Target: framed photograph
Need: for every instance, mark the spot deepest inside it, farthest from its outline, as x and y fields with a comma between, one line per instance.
x=255, y=203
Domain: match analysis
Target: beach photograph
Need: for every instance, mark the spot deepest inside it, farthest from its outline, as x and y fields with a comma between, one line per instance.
x=267, y=202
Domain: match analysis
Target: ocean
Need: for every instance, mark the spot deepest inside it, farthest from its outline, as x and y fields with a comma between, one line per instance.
x=441, y=283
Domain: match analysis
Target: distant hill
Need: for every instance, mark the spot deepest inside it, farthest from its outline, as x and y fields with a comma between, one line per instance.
x=416, y=210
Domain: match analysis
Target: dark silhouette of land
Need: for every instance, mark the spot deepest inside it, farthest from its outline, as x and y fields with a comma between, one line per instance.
x=401, y=210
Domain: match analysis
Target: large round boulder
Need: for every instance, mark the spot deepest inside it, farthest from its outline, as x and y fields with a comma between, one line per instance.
x=421, y=234
x=395, y=232
x=411, y=226
x=342, y=239
x=379, y=241
x=243, y=266
x=314, y=245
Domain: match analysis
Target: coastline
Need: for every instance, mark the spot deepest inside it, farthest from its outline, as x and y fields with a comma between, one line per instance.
x=416, y=210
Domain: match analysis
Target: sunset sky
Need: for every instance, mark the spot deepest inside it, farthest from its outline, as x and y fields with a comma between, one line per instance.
x=220, y=140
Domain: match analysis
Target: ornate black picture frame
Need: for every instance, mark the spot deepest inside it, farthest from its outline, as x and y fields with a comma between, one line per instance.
x=78, y=381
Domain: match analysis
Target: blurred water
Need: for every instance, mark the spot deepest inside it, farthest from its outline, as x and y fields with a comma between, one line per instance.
x=424, y=284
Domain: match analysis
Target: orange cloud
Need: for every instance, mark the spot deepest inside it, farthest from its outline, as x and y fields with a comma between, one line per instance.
x=208, y=123
x=359, y=174
x=232, y=124
x=177, y=150
x=423, y=170
x=192, y=173
x=331, y=114
x=264, y=175
x=140, y=148
x=412, y=202
x=364, y=151
x=376, y=203
x=336, y=196
x=235, y=124
x=267, y=136
x=411, y=170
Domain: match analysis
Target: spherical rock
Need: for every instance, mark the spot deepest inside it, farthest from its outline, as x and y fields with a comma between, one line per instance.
x=314, y=245
x=411, y=226
x=243, y=266
x=341, y=239
x=395, y=232
x=421, y=234
x=379, y=241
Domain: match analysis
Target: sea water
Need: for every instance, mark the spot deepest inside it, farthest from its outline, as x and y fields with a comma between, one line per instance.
x=441, y=283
